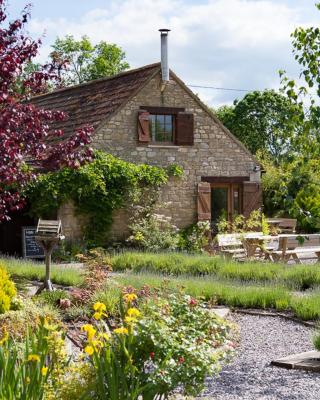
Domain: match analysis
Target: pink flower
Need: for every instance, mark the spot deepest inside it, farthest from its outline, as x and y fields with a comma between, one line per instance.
x=193, y=302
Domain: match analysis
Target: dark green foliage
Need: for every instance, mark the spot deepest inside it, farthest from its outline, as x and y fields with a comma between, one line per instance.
x=97, y=189
x=292, y=189
x=52, y=298
x=262, y=121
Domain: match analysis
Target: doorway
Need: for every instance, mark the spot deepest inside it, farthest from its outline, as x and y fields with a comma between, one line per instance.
x=226, y=202
x=11, y=233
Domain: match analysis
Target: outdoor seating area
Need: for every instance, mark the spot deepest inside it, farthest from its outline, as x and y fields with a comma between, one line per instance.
x=282, y=247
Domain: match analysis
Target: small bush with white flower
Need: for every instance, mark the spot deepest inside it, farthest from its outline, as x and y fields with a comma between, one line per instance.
x=154, y=232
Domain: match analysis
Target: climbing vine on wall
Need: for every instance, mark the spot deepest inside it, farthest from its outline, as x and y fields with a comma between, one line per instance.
x=97, y=189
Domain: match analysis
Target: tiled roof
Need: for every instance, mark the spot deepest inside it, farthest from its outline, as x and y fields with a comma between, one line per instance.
x=93, y=102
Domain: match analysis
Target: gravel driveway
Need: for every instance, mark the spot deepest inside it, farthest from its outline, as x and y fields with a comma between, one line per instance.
x=250, y=376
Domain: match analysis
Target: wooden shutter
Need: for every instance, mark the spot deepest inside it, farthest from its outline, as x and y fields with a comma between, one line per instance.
x=184, y=129
x=143, y=126
x=252, y=197
x=204, y=201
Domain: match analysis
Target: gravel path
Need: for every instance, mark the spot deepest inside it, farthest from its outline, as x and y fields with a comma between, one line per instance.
x=250, y=376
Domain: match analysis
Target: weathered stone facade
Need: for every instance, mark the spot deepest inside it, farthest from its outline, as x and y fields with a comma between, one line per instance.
x=215, y=152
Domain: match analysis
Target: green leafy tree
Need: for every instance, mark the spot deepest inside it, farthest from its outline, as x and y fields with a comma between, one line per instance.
x=85, y=61
x=263, y=121
x=306, y=92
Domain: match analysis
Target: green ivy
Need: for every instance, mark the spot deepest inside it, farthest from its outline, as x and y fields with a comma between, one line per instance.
x=175, y=170
x=97, y=189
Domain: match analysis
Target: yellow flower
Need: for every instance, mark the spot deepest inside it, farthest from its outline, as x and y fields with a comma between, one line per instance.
x=44, y=371
x=104, y=336
x=89, y=350
x=90, y=330
x=97, y=344
x=129, y=297
x=5, y=336
x=100, y=307
x=133, y=312
x=27, y=380
x=33, y=358
x=121, y=331
x=130, y=320
x=97, y=316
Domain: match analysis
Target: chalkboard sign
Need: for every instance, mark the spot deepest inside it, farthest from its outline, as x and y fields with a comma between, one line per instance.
x=30, y=247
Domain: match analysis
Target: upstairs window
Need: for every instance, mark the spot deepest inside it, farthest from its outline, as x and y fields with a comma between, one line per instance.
x=165, y=125
x=161, y=128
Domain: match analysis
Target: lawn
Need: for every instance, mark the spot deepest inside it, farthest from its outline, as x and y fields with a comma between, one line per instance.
x=31, y=270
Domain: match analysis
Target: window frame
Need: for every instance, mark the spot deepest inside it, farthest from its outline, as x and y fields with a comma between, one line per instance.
x=173, y=111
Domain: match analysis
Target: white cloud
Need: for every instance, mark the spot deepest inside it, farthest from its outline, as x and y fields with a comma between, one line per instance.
x=237, y=43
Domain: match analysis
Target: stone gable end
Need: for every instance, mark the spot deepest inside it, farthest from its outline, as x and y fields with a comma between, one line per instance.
x=214, y=153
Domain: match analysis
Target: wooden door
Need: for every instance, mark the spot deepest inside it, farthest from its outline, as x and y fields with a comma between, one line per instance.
x=226, y=201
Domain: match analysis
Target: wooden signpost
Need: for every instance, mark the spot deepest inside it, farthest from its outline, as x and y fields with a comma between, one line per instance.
x=48, y=234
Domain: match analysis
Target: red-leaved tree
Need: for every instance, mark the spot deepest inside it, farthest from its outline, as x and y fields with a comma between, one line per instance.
x=27, y=137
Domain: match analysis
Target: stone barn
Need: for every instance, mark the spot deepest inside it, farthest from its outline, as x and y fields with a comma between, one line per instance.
x=141, y=118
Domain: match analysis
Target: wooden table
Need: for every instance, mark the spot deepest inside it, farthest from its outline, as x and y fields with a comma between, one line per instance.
x=252, y=242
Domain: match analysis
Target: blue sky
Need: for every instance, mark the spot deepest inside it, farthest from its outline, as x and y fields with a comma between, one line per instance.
x=221, y=43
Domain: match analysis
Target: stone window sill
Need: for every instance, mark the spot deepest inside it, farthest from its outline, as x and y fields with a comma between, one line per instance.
x=163, y=146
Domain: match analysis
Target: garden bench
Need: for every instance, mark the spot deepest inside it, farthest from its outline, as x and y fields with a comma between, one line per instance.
x=285, y=225
x=230, y=245
x=292, y=245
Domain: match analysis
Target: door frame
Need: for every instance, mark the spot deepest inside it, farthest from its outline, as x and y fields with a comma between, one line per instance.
x=232, y=187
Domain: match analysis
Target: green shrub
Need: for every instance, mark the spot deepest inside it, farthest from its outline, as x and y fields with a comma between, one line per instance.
x=298, y=277
x=174, y=343
x=316, y=341
x=16, y=322
x=249, y=271
x=219, y=292
x=51, y=298
x=7, y=290
x=307, y=307
x=301, y=277
x=166, y=263
x=195, y=238
x=68, y=250
x=153, y=232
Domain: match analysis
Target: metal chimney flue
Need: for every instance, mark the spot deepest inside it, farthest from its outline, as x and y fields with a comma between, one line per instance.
x=164, y=54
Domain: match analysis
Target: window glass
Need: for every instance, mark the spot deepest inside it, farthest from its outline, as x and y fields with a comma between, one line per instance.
x=161, y=128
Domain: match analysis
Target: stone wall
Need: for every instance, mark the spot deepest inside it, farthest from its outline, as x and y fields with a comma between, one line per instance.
x=71, y=222
x=214, y=153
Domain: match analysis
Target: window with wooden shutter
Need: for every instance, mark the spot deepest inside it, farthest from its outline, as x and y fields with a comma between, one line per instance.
x=143, y=126
x=184, y=129
x=204, y=201
x=252, y=197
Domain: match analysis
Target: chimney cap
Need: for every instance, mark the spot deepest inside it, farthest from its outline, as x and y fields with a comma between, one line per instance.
x=164, y=31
